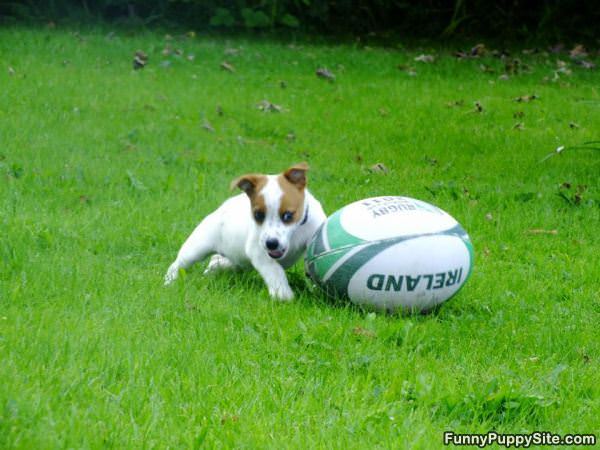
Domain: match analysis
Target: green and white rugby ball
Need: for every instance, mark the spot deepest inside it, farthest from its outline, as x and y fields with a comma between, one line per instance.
x=390, y=254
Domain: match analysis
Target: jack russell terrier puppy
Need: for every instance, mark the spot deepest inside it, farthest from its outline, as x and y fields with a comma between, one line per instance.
x=268, y=228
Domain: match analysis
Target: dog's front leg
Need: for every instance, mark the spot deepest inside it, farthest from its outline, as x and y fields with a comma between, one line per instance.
x=274, y=276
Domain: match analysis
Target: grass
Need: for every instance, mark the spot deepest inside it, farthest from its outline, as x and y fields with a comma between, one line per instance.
x=105, y=170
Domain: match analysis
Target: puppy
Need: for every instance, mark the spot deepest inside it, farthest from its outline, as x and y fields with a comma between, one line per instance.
x=267, y=227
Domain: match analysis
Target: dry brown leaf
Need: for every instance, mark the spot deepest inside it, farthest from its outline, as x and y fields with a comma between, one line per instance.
x=207, y=126
x=425, y=58
x=578, y=52
x=478, y=50
x=360, y=331
x=526, y=98
x=227, y=66
x=325, y=73
x=140, y=59
x=379, y=168
x=586, y=64
x=267, y=106
x=455, y=103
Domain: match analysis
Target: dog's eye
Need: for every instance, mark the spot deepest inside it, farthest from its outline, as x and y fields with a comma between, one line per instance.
x=287, y=217
x=259, y=216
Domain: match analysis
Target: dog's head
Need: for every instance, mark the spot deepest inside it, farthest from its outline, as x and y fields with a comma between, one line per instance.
x=277, y=205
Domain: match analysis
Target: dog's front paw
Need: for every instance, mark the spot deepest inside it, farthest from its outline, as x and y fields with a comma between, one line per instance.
x=283, y=293
x=172, y=274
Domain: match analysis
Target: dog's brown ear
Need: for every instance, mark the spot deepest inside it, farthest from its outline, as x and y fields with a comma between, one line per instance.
x=248, y=183
x=297, y=175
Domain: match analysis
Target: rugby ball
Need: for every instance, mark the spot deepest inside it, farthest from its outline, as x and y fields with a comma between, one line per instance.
x=394, y=254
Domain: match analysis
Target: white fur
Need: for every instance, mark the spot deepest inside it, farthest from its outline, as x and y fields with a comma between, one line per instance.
x=235, y=240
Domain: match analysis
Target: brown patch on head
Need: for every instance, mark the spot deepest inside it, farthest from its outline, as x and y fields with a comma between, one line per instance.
x=292, y=183
x=252, y=184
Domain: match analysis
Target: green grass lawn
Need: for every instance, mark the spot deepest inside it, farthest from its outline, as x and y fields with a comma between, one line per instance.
x=104, y=171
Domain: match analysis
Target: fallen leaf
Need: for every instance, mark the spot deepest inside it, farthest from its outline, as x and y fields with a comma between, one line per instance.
x=478, y=50
x=578, y=52
x=140, y=59
x=267, y=106
x=455, y=103
x=541, y=231
x=227, y=66
x=526, y=98
x=360, y=331
x=379, y=168
x=324, y=73
x=207, y=126
x=425, y=58
x=586, y=64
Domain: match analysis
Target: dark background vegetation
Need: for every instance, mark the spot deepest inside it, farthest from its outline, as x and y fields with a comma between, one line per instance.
x=512, y=19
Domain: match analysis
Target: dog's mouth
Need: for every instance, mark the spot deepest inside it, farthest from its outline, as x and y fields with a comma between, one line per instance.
x=275, y=254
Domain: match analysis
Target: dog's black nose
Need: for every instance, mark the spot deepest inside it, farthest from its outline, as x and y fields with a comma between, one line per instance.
x=272, y=243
